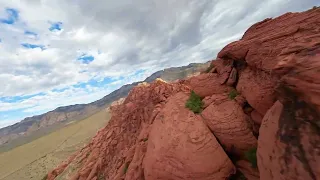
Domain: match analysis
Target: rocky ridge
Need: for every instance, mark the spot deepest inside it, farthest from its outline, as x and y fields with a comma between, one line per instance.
x=260, y=117
x=47, y=122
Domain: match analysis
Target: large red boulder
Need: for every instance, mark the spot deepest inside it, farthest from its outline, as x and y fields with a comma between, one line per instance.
x=229, y=124
x=181, y=146
x=207, y=84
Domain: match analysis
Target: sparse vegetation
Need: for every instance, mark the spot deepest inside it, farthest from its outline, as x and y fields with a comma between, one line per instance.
x=209, y=68
x=233, y=94
x=101, y=177
x=251, y=156
x=145, y=139
x=194, y=103
x=125, y=169
x=45, y=177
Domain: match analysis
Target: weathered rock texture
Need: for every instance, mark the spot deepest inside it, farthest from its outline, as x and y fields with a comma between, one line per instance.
x=275, y=69
x=230, y=125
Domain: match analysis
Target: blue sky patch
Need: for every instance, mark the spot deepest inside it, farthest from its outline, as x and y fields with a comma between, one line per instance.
x=15, y=115
x=85, y=58
x=19, y=98
x=30, y=33
x=95, y=83
x=12, y=16
x=139, y=72
x=55, y=26
x=32, y=46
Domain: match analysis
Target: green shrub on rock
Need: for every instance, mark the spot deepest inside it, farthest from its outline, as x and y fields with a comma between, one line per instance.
x=233, y=94
x=251, y=156
x=194, y=103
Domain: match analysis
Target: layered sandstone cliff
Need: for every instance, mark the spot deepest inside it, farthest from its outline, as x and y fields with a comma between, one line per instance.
x=260, y=117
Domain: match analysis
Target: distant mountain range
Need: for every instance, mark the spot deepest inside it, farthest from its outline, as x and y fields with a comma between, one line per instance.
x=39, y=125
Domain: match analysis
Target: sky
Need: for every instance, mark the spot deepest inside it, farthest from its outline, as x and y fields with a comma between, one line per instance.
x=64, y=52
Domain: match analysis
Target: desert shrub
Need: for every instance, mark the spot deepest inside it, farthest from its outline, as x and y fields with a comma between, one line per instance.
x=233, y=94
x=194, y=103
x=145, y=139
x=125, y=169
x=251, y=156
x=209, y=68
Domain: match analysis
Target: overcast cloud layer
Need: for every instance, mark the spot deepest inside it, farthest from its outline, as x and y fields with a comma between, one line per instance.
x=59, y=52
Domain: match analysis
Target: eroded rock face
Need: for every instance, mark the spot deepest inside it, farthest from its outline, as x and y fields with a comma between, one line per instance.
x=288, y=145
x=258, y=89
x=181, y=146
x=230, y=125
x=302, y=72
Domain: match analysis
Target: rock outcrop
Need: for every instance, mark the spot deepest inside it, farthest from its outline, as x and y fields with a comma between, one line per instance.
x=181, y=146
x=260, y=117
x=282, y=58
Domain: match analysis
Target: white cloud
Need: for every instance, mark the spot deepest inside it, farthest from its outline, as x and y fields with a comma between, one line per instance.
x=123, y=36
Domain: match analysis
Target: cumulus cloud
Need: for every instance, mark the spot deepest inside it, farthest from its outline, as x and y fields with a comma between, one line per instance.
x=47, y=45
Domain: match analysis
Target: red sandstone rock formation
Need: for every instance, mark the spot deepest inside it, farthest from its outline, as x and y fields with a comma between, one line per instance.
x=181, y=146
x=275, y=69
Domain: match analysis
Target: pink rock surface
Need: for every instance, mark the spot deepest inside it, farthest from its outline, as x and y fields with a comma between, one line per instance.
x=216, y=98
x=207, y=85
x=181, y=146
x=230, y=125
